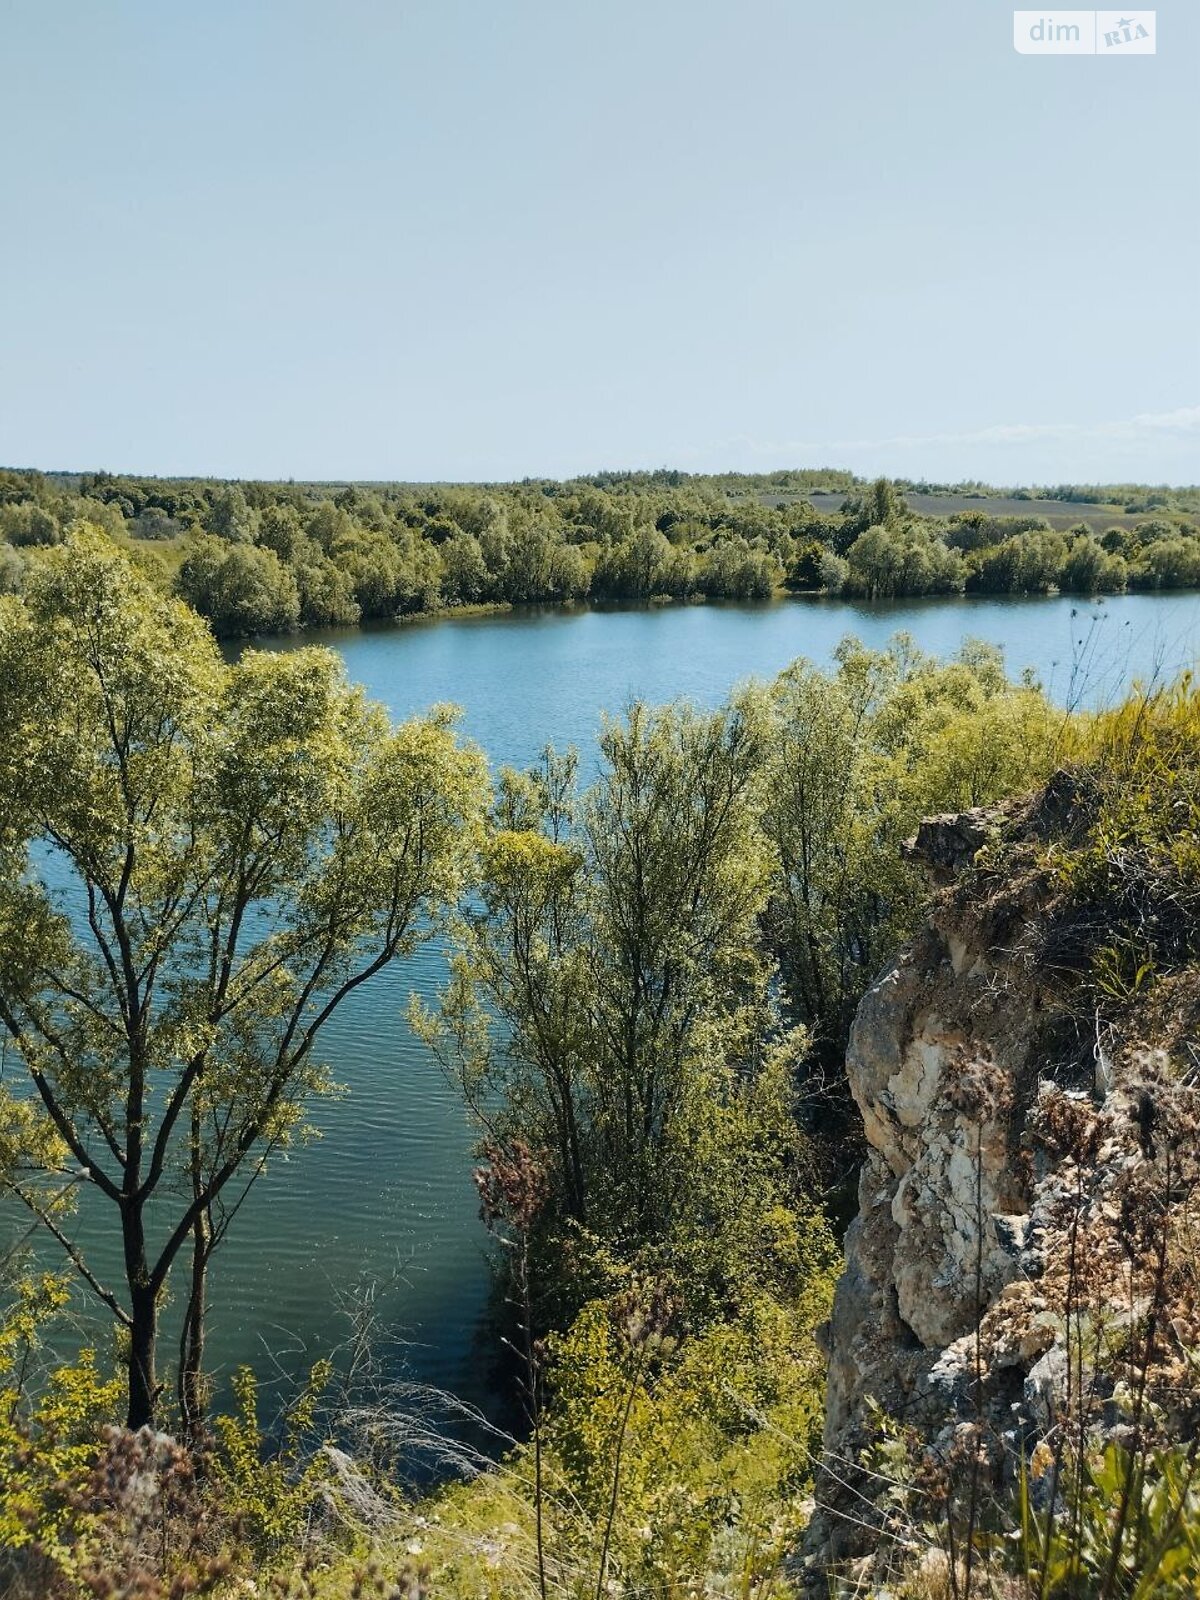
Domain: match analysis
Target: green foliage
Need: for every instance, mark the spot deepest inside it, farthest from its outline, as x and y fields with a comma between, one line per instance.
x=1158, y=1555
x=617, y=941
x=1090, y=569
x=617, y=945
x=854, y=761
x=1130, y=872
x=230, y=518
x=1172, y=563
x=252, y=843
x=908, y=559
x=260, y=557
x=718, y=1438
x=240, y=588
x=672, y=1465
x=651, y=975
x=736, y=570
x=270, y=1493
x=49, y=1431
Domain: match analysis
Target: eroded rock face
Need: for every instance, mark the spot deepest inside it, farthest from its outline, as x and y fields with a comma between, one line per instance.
x=938, y=1062
x=951, y=1307
x=932, y=1062
x=935, y=1102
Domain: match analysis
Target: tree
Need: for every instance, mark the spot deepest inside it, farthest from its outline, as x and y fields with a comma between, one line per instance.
x=896, y=560
x=1090, y=569
x=616, y=940
x=29, y=524
x=1028, y=563
x=281, y=530
x=241, y=589
x=390, y=575
x=737, y=571
x=880, y=505
x=832, y=571
x=1168, y=563
x=856, y=759
x=244, y=846
x=464, y=571
x=641, y=566
x=326, y=592
x=230, y=517
x=12, y=570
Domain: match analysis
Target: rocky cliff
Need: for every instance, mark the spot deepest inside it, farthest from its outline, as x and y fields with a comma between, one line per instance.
x=1025, y=1144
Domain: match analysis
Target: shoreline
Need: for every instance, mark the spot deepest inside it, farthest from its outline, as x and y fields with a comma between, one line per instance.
x=484, y=610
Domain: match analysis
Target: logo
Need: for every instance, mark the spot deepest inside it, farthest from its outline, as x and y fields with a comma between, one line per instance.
x=1084, y=33
x=1126, y=35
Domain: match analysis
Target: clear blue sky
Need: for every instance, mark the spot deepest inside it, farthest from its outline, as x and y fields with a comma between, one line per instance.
x=495, y=238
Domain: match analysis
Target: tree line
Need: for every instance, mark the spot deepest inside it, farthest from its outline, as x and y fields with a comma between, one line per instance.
x=262, y=558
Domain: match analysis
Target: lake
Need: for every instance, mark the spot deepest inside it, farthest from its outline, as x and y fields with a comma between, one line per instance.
x=382, y=1207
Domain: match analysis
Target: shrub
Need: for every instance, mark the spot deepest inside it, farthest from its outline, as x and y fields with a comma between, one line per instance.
x=49, y=1431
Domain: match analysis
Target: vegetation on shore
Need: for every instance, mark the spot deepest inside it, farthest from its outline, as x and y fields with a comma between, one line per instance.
x=269, y=557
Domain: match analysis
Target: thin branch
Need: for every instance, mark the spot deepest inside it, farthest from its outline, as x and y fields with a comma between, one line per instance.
x=72, y=1250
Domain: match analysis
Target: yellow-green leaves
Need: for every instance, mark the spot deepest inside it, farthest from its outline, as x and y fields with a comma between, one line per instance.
x=112, y=682
x=270, y=1493
x=617, y=941
x=48, y=1441
x=857, y=758
x=240, y=846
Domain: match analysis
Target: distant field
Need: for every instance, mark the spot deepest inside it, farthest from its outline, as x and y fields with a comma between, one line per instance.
x=1058, y=513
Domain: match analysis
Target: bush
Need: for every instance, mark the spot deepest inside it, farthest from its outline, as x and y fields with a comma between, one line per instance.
x=901, y=560
x=1168, y=563
x=1090, y=569
x=241, y=589
x=49, y=1432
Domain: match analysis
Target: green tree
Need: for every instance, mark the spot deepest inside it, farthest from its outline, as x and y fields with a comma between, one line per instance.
x=909, y=558
x=878, y=505
x=856, y=759
x=1168, y=563
x=644, y=565
x=29, y=524
x=230, y=517
x=464, y=572
x=244, y=846
x=735, y=570
x=1090, y=569
x=281, y=530
x=1028, y=563
x=616, y=943
x=241, y=589
x=326, y=592
x=391, y=576
x=12, y=570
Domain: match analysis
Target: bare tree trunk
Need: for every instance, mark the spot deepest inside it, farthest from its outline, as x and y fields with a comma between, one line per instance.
x=143, y=1325
x=143, y=1340
x=193, y=1395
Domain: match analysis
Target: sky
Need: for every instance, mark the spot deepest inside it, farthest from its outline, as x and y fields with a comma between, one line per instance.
x=491, y=239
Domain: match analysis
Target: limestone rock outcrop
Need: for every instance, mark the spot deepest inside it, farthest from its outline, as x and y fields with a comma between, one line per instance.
x=985, y=1133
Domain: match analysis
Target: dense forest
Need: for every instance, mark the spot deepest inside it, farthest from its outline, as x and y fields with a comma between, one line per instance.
x=262, y=557
x=651, y=986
